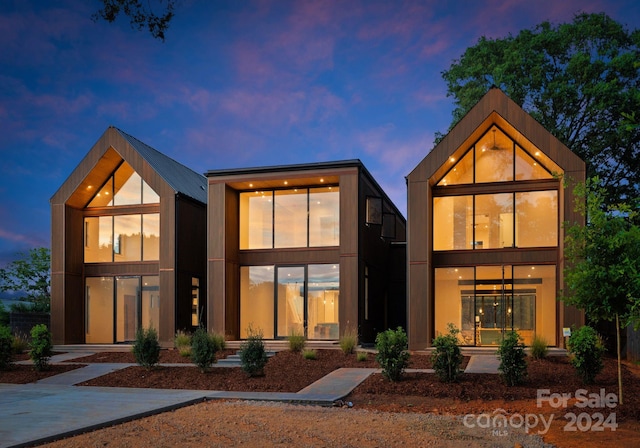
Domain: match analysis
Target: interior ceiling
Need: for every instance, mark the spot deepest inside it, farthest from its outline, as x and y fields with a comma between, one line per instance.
x=94, y=180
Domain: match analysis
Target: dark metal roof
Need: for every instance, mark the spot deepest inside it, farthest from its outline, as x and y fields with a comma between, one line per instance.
x=284, y=168
x=182, y=179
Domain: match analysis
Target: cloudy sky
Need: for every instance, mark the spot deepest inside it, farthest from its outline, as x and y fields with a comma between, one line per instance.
x=238, y=84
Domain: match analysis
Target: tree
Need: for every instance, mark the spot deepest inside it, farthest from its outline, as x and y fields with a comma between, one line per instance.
x=140, y=14
x=603, y=259
x=579, y=80
x=30, y=278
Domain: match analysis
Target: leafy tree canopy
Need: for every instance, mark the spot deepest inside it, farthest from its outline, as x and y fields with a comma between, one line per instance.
x=580, y=80
x=603, y=258
x=141, y=14
x=30, y=277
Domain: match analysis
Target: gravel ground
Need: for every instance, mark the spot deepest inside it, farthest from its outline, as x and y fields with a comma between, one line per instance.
x=262, y=424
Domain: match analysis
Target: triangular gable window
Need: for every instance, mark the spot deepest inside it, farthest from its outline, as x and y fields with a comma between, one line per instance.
x=124, y=187
x=496, y=158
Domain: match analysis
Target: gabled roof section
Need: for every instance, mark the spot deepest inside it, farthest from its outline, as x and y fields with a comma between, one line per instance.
x=495, y=107
x=182, y=179
x=161, y=172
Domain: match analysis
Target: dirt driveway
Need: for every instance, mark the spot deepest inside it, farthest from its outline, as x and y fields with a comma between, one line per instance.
x=260, y=424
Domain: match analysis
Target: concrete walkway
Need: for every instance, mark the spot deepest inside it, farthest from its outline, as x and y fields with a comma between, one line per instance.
x=53, y=408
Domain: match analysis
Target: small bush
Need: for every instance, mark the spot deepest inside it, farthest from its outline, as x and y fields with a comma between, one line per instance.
x=182, y=343
x=362, y=356
x=348, y=340
x=309, y=354
x=539, y=347
x=586, y=350
x=203, y=349
x=513, y=362
x=41, y=347
x=447, y=356
x=146, y=348
x=296, y=341
x=392, y=353
x=252, y=353
x=6, y=347
x=20, y=344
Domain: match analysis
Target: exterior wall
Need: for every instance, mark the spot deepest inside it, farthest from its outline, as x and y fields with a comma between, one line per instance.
x=225, y=258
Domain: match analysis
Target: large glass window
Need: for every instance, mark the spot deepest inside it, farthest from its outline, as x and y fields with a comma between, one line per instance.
x=115, y=307
x=323, y=299
x=99, y=310
x=124, y=187
x=98, y=239
x=291, y=292
x=122, y=238
x=127, y=241
x=150, y=236
x=497, y=158
x=486, y=301
x=150, y=306
x=491, y=221
x=257, y=300
x=290, y=218
x=324, y=217
x=281, y=300
x=300, y=217
x=537, y=219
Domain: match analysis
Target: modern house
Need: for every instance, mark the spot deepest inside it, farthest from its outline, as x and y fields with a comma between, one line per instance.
x=139, y=240
x=128, y=245
x=315, y=249
x=485, y=212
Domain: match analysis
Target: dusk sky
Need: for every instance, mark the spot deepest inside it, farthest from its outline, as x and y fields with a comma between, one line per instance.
x=238, y=84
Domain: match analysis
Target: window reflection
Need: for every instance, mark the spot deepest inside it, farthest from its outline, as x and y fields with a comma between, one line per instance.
x=290, y=218
x=324, y=217
x=120, y=238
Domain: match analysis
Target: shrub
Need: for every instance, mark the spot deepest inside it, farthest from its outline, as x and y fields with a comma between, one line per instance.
x=252, y=353
x=348, y=340
x=219, y=340
x=309, y=353
x=146, y=348
x=586, y=350
x=41, y=347
x=362, y=356
x=20, y=343
x=447, y=356
x=513, y=362
x=6, y=347
x=182, y=343
x=203, y=349
x=392, y=353
x=539, y=347
x=296, y=341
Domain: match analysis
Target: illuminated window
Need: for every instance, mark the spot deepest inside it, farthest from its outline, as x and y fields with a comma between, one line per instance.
x=124, y=187
x=299, y=217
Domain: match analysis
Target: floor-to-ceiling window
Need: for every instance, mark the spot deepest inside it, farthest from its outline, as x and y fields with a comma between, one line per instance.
x=485, y=301
x=284, y=300
x=116, y=307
